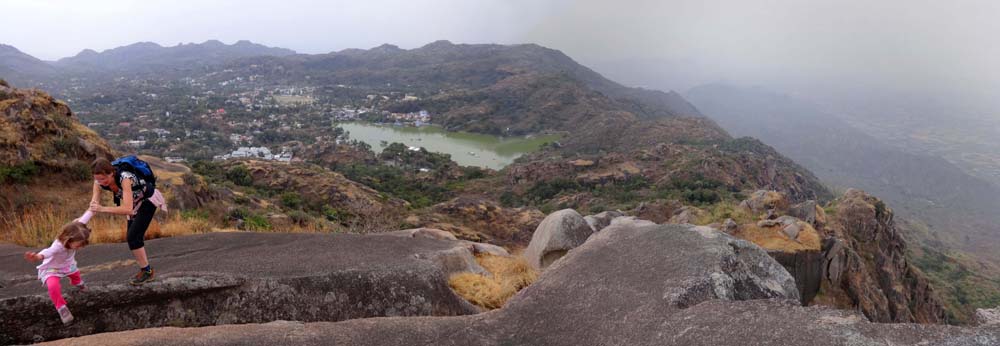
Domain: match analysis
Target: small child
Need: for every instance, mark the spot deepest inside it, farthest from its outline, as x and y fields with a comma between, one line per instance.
x=59, y=261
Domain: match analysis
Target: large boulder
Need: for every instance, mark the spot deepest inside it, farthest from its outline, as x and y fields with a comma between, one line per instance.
x=793, y=243
x=764, y=201
x=228, y=278
x=600, y=220
x=558, y=233
x=423, y=232
x=810, y=212
x=652, y=285
x=686, y=214
x=489, y=249
x=694, y=264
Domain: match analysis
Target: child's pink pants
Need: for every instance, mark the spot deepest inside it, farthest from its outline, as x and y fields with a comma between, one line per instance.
x=55, y=289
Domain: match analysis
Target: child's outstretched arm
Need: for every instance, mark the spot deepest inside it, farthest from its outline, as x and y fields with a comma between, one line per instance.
x=85, y=218
x=33, y=256
x=41, y=255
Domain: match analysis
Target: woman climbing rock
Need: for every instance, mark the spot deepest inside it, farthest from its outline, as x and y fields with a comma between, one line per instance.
x=133, y=185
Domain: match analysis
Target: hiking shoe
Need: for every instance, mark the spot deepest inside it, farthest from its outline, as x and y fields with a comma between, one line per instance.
x=65, y=315
x=142, y=277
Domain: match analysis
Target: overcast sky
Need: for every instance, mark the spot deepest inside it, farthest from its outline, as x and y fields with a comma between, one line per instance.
x=666, y=44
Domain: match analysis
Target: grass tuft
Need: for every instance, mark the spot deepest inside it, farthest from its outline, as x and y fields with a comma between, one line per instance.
x=510, y=275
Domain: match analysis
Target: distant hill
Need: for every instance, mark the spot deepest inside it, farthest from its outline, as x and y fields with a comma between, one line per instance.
x=18, y=67
x=484, y=88
x=149, y=56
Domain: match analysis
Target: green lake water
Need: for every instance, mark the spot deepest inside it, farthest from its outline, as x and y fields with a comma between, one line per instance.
x=468, y=149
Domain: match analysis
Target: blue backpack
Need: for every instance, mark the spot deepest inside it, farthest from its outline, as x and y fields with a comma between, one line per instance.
x=138, y=167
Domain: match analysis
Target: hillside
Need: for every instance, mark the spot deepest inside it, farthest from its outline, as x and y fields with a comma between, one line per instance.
x=950, y=212
x=38, y=130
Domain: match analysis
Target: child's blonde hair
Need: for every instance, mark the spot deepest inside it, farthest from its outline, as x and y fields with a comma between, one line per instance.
x=75, y=232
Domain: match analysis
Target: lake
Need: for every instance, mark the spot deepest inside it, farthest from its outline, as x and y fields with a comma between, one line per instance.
x=467, y=149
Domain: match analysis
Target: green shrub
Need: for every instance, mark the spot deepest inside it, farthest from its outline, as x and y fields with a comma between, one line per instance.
x=623, y=191
x=509, y=199
x=18, y=174
x=256, y=222
x=472, y=172
x=208, y=169
x=394, y=181
x=239, y=175
x=237, y=214
x=291, y=200
x=333, y=214
x=80, y=171
x=199, y=214
x=545, y=190
x=702, y=196
x=63, y=121
x=880, y=208
x=240, y=199
x=190, y=179
x=299, y=217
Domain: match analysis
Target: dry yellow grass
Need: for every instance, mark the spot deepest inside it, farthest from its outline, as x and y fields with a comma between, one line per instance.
x=773, y=238
x=177, y=226
x=719, y=212
x=510, y=275
x=40, y=226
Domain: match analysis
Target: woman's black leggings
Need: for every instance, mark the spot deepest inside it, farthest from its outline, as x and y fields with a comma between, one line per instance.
x=138, y=224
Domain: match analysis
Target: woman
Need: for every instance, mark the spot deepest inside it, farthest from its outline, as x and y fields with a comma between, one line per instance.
x=131, y=200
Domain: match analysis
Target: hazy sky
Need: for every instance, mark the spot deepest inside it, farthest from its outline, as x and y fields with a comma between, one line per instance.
x=915, y=44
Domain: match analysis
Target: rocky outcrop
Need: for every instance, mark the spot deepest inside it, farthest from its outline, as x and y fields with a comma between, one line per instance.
x=600, y=220
x=424, y=233
x=481, y=220
x=230, y=278
x=736, y=164
x=766, y=202
x=986, y=317
x=686, y=214
x=810, y=212
x=318, y=185
x=34, y=127
x=558, y=233
x=807, y=269
x=866, y=267
x=328, y=153
x=854, y=259
x=654, y=285
x=430, y=233
x=630, y=221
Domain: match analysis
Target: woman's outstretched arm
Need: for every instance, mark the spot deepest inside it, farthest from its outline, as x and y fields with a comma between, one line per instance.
x=95, y=197
x=126, y=203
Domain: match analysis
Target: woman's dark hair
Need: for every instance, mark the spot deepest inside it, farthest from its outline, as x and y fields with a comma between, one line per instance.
x=74, y=232
x=102, y=166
